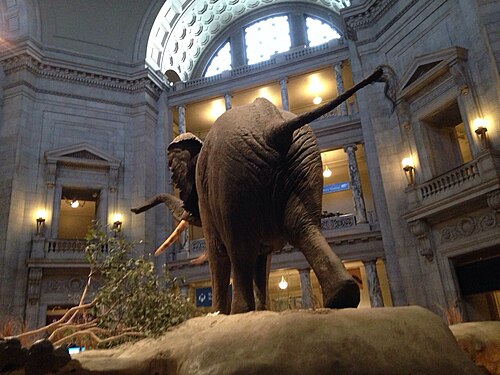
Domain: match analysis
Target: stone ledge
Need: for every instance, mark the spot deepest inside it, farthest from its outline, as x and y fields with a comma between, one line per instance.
x=351, y=341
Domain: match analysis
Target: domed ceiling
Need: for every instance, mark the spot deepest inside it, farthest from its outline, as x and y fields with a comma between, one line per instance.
x=182, y=31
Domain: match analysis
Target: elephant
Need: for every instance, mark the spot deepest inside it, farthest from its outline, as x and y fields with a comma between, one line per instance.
x=254, y=185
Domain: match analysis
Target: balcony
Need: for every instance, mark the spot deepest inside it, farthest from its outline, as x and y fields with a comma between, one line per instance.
x=467, y=184
x=350, y=239
x=47, y=252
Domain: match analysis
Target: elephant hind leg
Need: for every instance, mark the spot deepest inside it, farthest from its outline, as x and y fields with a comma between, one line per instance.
x=243, y=264
x=261, y=277
x=339, y=288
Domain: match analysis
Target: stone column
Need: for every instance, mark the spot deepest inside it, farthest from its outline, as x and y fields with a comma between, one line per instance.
x=305, y=286
x=56, y=211
x=227, y=101
x=34, y=290
x=357, y=192
x=103, y=207
x=181, y=118
x=184, y=289
x=340, y=87
x=284, y=94
x=184, y=240
x=376, y=299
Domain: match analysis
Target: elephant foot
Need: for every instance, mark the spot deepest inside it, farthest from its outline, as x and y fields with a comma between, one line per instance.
x=345, y=295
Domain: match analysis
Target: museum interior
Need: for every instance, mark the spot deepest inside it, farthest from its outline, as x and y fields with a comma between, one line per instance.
x=93, y=92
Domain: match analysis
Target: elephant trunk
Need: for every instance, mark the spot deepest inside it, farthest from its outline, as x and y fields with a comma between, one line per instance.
x=280, y=136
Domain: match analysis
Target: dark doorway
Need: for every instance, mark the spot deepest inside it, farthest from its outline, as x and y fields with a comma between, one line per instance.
x=478, y=277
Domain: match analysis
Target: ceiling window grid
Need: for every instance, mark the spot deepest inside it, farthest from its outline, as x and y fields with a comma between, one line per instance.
x=262, y=39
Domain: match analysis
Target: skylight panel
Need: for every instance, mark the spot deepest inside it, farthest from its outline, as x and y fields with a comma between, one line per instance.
x=319, y=32
x=220, y=62
x=266, y=38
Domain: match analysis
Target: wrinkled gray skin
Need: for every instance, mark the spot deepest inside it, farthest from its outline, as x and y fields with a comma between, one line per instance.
x=259, y=185
x=254, y=198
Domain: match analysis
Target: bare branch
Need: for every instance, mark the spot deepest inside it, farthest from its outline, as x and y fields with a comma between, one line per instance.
x=56, y=324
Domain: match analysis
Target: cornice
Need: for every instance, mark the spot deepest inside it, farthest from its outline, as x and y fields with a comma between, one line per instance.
x=141, y=81
x=364, y=15
x=26, y=84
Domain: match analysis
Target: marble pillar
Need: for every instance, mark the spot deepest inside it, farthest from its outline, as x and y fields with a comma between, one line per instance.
x=184, y=238
x=373, y=282
x=181, y=118
x=227, y=101
x=342, y=108
x=306, y=287
x=284, y=94
x=357, y=192
x=184, y=289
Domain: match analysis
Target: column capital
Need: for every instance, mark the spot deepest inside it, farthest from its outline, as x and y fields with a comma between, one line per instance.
x=350, y=146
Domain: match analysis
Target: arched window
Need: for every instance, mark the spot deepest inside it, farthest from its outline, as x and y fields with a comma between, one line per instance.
x=220, y=62
x=319, y=32
x=250, y=42
x=265, y=38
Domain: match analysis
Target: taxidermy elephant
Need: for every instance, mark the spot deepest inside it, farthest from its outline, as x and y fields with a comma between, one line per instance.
x=255, y=184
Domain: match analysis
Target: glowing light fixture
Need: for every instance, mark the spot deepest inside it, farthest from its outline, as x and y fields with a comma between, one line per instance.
x=327, y=172
x=317, y=100
x=408, y=168
x=40, y=221
x=283, y=283
x=117, y=221
x=480, y=125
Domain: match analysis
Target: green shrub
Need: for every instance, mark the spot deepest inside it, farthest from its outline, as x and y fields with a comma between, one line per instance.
x=131, y=295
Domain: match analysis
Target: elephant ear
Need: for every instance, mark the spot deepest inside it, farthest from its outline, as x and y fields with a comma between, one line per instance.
x=182, y=157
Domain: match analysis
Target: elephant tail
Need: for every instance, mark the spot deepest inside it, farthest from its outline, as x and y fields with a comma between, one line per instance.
x=280, y=136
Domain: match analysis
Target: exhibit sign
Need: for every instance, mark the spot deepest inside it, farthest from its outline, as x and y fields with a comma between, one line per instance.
x=333, y=188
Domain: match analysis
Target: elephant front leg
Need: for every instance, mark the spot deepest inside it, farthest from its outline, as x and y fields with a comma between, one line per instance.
x=220, y=270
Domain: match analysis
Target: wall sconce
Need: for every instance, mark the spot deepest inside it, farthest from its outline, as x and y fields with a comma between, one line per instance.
x=327, y=172
x=481, y=130
x=408, y=168
x=283, y=283
x=40, y=221
x=117, y=222
x=317, y=99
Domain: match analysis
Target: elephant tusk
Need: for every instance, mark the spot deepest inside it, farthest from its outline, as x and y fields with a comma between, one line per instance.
x=201, y=259
x=173, y=237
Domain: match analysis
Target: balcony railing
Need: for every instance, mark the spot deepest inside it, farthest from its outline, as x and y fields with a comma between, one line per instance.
x=449, y=180
x=451, y=190
x=338, y=222
x=64, y=246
